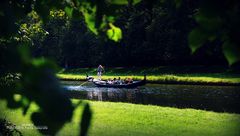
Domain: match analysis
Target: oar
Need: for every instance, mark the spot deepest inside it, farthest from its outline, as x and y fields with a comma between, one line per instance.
x=83, y=83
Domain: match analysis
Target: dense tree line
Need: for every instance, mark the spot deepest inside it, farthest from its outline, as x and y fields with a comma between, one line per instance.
x=154, y=34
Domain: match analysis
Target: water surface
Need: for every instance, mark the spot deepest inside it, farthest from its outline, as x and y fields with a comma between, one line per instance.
x=214, y=98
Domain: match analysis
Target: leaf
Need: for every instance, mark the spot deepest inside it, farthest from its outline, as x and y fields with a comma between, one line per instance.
x=86, y=118
x=25, y=109
x=231, y=52
x=45, y=63
x=114, y=33
x=49, y=127
x=25, y=103
x=209, y=21
x=90, y=20
x=122, y=2
x=68, y=11
x=197, y=38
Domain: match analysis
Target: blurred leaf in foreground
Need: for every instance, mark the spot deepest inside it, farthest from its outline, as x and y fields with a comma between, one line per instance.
x=218, y=19
x=86, y=118
x=41, y=86
x=231, y=52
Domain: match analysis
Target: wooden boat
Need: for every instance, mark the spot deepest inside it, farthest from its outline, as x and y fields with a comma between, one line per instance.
x=130, y=85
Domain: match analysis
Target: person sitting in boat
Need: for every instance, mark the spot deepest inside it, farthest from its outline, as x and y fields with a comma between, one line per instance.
x=114, y=80
x=119, y=81
x=128, y=81
x=110, y=81
x=125, y=81
x=100, y=70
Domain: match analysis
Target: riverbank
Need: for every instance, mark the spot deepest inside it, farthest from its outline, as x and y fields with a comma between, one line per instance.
x=166, y=75
x=121, y=119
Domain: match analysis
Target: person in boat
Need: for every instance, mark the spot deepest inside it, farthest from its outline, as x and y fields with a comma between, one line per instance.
x=110, y=81
x=119, y=81
x=128, y=81
x=114, y=80
x=125, y=81
x=100, y=71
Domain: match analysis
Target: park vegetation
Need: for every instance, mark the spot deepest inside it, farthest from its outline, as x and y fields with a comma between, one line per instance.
x=147, y=34
x=36, y=37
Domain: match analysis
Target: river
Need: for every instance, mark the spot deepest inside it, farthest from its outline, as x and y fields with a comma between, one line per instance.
x=213, y=98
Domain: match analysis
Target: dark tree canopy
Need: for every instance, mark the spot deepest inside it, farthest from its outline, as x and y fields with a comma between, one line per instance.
x=73, y=33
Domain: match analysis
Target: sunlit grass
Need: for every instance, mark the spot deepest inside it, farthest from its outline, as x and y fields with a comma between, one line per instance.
x=183, y=74
x=16, y=117
x=122, y=119
x=162, y=78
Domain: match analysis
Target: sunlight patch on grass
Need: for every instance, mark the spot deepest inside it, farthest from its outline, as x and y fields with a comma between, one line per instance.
x=121, y=119
x=161, y=78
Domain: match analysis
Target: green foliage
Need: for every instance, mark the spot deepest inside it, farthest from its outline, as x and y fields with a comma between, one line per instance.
x=208, y=21
x=78, y=45
x=60, y=14
x=95, y=11
x=33, y=78
x=39, y=84
x=8, y=129
x=51, y=46
x=142, y=27
x=197, y=38
x=10, y=13
x=156, y=36
x=144, y=36
x=31, y=30
x=218, y=21
x=231, y=52
x=69, y=11
x=114, y=33
x=86, y=118
x=123, y=2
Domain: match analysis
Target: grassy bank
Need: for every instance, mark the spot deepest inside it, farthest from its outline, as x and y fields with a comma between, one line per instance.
x=121, y=119
x=176, y=75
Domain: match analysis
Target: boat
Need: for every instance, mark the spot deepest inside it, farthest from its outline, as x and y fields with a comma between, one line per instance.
x=102, y=83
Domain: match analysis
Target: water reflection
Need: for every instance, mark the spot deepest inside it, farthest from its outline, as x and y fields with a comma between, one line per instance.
x=215, y=98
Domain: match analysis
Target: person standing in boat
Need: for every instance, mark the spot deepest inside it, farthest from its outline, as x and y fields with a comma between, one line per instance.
x=100, y=70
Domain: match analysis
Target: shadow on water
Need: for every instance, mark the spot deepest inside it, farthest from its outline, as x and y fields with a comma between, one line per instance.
x=214, y=98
